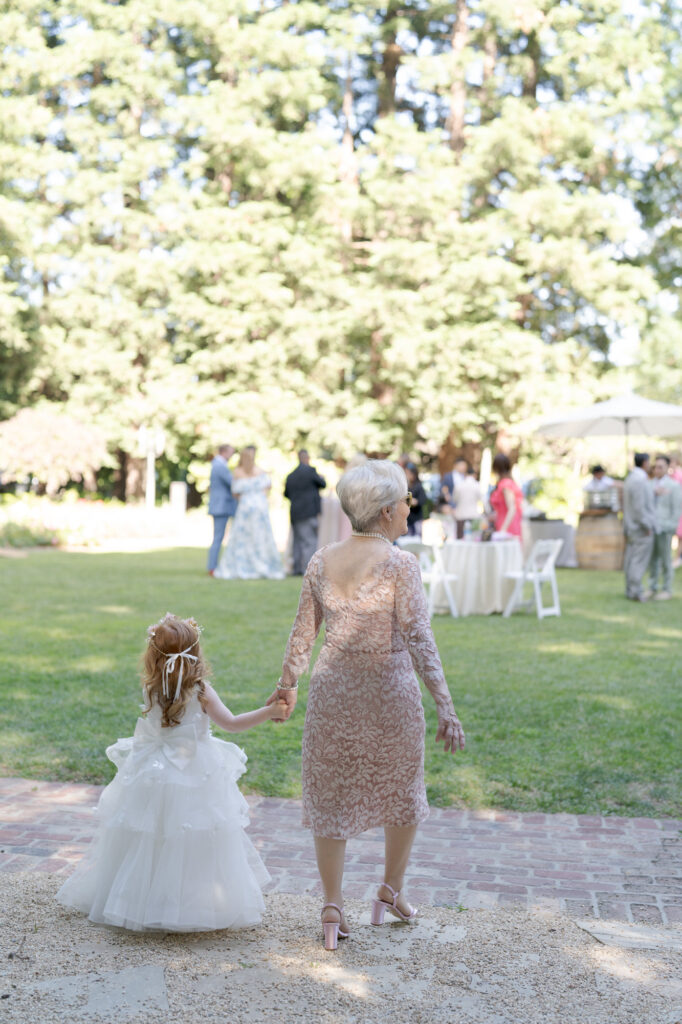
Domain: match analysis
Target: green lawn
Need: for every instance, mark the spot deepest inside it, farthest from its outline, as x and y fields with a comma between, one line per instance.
x=578, y=714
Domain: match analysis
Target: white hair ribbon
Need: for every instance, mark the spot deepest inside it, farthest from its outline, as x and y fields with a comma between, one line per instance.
x=169, y=667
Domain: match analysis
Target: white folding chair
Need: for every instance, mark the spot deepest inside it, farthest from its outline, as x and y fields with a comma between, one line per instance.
x=539, y=569
x=434, y=573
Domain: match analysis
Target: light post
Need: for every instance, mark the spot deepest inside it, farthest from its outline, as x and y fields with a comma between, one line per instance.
x=152, y=441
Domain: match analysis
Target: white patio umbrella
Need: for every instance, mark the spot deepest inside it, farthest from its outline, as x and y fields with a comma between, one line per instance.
x=623, y=416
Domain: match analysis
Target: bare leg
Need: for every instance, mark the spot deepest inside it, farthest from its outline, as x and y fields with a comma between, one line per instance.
x=398, y=841
x=330, y=855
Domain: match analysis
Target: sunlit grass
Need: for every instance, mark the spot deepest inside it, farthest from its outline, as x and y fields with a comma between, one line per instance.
x=569, y=647
x=580, y=713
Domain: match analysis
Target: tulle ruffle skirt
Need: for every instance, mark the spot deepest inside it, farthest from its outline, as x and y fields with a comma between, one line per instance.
x=170, y=851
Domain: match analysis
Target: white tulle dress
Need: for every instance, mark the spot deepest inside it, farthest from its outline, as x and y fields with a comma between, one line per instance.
x=170, y=851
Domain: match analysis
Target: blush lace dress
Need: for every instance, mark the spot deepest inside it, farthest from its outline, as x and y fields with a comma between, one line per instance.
x=363, y=739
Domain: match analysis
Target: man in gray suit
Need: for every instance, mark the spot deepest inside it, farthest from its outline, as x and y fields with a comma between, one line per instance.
x=221, y=503
x=667, y=509
x=639, y=521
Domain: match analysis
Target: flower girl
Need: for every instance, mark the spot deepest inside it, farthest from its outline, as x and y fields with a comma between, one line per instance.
x=170, y=851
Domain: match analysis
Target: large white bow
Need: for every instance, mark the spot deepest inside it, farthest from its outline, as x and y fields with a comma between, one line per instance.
x=175, y=745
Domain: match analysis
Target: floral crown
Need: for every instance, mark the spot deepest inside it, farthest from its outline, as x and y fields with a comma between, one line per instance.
x=174, y=658
x=151, y=632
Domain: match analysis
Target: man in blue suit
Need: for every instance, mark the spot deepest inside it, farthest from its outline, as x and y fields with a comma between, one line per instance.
x=221, y=503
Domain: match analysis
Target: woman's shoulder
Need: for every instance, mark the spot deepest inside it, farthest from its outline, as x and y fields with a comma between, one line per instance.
x=405, y=563
x=316, y=562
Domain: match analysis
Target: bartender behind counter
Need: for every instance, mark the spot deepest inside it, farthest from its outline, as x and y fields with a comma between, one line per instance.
x=601, y=490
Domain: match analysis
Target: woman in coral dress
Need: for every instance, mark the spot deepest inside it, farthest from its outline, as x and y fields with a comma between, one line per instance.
x=363, y=739
x=507, y=499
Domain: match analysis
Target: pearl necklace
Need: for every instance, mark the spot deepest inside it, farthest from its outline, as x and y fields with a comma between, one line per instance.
x=379, y=536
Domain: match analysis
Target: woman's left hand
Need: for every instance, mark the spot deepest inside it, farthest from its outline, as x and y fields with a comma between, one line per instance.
x=451, y=733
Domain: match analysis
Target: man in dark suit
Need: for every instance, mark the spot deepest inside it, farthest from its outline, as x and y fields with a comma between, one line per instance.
x=303, y=488
x=221, y=503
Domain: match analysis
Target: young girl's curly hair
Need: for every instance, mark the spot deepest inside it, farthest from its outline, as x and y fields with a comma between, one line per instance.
x=173, y=666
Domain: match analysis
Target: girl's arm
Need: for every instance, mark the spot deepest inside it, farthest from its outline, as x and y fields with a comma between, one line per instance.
x=223, y=717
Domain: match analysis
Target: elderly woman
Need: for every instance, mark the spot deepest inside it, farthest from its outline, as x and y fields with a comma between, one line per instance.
x=363, y=740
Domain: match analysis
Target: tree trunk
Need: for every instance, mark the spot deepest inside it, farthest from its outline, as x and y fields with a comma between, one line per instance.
x=349, y=164
x=381, y=391
x=135, y=478
x=532, y=73
x=489, y=63
x=230, y=75
x=121, y=477
x=455, y=122
x=390, y=63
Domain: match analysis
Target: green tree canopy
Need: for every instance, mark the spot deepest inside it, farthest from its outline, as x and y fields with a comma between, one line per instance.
x=357, y=225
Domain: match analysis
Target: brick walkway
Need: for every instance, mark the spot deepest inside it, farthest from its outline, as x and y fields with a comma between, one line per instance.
x=620, y=868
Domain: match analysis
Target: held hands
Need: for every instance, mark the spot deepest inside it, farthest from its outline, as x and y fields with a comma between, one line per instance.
x=282, y=697
x=451, y=733
x=279, y=710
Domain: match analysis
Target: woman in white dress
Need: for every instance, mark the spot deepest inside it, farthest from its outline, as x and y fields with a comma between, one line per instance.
x=251, y=552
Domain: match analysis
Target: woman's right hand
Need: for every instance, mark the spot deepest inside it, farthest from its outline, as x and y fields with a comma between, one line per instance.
x=450, y=732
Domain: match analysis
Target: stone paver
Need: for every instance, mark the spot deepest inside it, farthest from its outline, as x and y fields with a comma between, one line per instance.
x=130, y=992
x=627, y=869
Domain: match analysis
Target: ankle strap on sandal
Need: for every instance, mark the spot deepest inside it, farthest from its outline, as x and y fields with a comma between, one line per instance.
x=392, y=891
x=331, y=906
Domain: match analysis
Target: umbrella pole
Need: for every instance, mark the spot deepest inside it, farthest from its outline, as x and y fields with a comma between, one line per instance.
x=627, y=447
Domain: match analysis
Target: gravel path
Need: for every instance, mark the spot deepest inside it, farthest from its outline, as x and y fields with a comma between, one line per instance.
x=486, y=966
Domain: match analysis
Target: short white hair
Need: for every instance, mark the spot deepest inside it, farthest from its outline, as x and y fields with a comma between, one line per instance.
x=364, y=490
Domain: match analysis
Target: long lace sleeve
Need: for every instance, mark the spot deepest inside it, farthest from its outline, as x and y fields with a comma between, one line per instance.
x=415, y=626
x=304, y=630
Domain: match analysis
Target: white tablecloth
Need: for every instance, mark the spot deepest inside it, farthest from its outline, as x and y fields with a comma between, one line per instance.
x=555, y=529
x=480, y=587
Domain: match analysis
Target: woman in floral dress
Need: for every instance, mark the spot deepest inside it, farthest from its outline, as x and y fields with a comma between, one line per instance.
x=251, y=552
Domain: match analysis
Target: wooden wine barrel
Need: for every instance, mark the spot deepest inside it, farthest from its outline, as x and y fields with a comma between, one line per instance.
x=600, y=542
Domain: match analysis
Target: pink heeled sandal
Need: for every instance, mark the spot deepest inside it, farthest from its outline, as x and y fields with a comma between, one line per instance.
x=379, y=908
x=332, y=929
